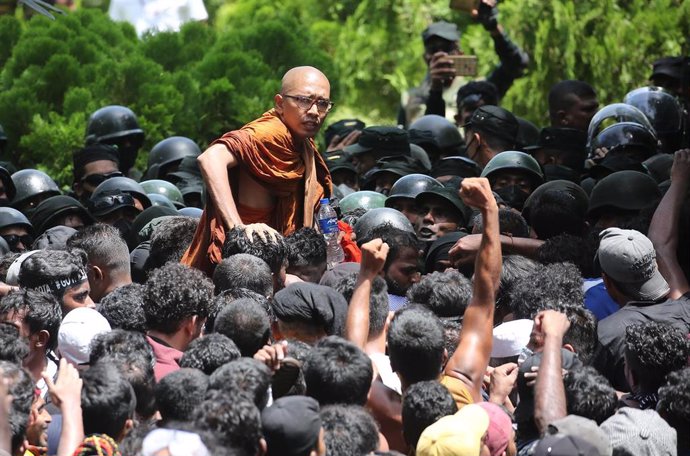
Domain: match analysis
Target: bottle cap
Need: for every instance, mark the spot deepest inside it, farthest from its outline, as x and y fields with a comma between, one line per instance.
x=323, y=201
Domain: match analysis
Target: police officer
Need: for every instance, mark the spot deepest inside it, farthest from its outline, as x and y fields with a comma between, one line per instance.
x=60, y=210
x=126, y=185
x=378, y=217
x=118, y=126
x=166, y=189
x=664, y=112
x=619, y=197
x=15, y=229
x=439, y=137
x=513, y=175
x=489, y=131
x=32, y=187
x=93, y=165
x=403, y=193
x=166, y=156
x=561, y=152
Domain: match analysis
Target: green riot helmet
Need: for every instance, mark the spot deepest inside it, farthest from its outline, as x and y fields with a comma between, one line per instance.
x=611, y=115
x=664, y=112
x=166, y=189
x=364, y=199
x=168, y=153
x=159, y=200
x=32, y=186
x=444, y=134
x=378, y=217
x=126, y=185
x=116, y=125
x=517, y=161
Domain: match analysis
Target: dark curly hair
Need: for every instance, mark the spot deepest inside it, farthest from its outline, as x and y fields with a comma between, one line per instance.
x=107, y=400
x=47, y=266
x=170, y=239
x=566, y=248
x=273, y=253
x=124, y=308
x=12, y=347
x=546, y=288
x=236, y=421
x=509, y=223
x=21, y=388
x=653, y=350
x=378, y=300
x=674, y=403
x=423, y=404
x=245, y=377
x=556, y=212
x=243, y=271
x=41, y=312
x=589, y=394
x=348, y=430
x=451, y=334
x=210, y=352
x=338, y=372
x=415, y=344
x=446, y=294
x=246, y=322
x=179, y=393
x=305, y=247
x=173, y=293
x=227, y=297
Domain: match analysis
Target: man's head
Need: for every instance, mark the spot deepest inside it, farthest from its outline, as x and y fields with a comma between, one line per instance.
x=473, y=95
x=513, y=176
x=652, y=351
x=674, y=404
x=338, y=372
x=349, y=430
x=306, y=254
x=447, y=294
x=107, y=401
x=245, y=377
x=304, y=101
x=416, y=345
x=403, y=264
x=93, y=165
x=572, y=104
x=589, y=394
x=179, y=393
x=628, y=264
x=210, y=352
x=489, y=131
x=557, y=207
x=61, y=273
x=124, y=308
x=424, y=403
x=15, y=229
x=378, y=301
x=108, y=258
x=177, y=302
x=21, y=388
x=243, y=271
x=440, y=37
x=403, y=192
x=667, y=72
x=442, y=212
x=170, y=240
x=36, y=316
x=273, y=253
x=246, y=322
x=292, y=427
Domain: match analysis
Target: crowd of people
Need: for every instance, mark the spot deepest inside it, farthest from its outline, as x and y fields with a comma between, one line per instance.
x=505, y=289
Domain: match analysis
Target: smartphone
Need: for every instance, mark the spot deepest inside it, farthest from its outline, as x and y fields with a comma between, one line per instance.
x=465, y=65
x=464, y=5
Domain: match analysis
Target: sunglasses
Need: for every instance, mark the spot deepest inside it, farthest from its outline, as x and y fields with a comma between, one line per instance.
x=13, y=240
x=108, y=201
x=97, y=179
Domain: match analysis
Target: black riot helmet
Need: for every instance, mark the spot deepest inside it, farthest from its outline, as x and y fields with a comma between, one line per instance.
x=629, y=138
x=8, y=185
x=32, y=186
x=610, y=115
x=664, y=112
x=623, y=191
x=444, y=134
x=3, y=138
x=116, y=125
x=126, y=185
x=410, y=186
x=169, y=152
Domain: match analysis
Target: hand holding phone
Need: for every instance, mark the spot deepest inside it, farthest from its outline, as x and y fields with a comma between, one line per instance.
x=465, y=65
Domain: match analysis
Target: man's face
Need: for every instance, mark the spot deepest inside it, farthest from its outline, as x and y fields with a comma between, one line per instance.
x=408, y=206
x=37, y=432
x=384, y=182
x=16, y=319
x=298, y=106
x=77, y=296
x=437, y=44
x=403, y=272
x=440, y=217
x=309, y=273
x=344, y=176
x=17, y=238
x=508, y=178
x=72, y=220
x=95, y=173
x=364, y=162
x=581, y=112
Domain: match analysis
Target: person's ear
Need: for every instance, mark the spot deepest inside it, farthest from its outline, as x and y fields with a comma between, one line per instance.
x=41, y=339
x=97, y=273
x=570, y=348
x=444, y=360
x=278, y=103
x=263, y=447
x=563, y=118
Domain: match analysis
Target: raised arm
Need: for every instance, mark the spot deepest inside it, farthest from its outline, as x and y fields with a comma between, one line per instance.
x=664, y=230
x=549, y=392
x=66, y=394
x=214, y=164
x=471, y=358
x=374, y=255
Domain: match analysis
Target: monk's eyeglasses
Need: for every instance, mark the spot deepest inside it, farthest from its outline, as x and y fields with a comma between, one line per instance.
x=305, y=103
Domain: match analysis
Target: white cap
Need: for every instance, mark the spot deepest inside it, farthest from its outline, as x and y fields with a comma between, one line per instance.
x=510, y=338
x=79, y=327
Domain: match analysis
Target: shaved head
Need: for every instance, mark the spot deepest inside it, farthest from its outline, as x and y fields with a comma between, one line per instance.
x=297, y=77
x=302, y=91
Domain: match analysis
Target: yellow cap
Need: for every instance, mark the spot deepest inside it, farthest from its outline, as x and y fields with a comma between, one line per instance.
x=455, y=435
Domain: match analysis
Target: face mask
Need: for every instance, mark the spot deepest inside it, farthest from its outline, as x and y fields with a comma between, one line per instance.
x=345, y=190
x=127, y=157
x=513, y=196
x=124, y=226
x=556, y=172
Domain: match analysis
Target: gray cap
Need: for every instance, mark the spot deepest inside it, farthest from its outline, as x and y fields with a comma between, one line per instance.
x=628, y=257
x=584, y=428
x=441, y=29
x=640, y=432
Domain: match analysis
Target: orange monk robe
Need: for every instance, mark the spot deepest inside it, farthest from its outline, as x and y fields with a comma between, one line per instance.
x=297, y=179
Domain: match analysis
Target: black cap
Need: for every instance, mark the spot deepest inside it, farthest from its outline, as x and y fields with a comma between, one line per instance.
x=109, y=201
x=400, y=165
x=445, y=30
x=311, y=304
x=496, y=121
x=668, y=66
x=291, y=426
x=456, y=166
x=338, y=159
x=382, y=141
x=187, y=169
x=565, y=139
x=343, y=128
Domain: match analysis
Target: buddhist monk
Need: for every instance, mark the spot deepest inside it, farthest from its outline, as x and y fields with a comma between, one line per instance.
x=267, y=176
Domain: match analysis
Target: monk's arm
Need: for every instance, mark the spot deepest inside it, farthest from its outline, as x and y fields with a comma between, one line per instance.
x=214, y=164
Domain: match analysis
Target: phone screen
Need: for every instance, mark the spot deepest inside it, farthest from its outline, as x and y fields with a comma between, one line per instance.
x=464, y=5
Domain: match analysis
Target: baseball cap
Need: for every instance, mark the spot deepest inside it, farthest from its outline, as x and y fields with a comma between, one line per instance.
x=291, y=425
x=584, y=428
x=500, y=428
x=79, y=327
x=442, y=29
x=510, y=338
x=455, y=435
x=564, y=445
x=381, y=141
x=640, y=432
x=561, y=139
x=496, y=121
x=668, y=66
x=628, y=257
